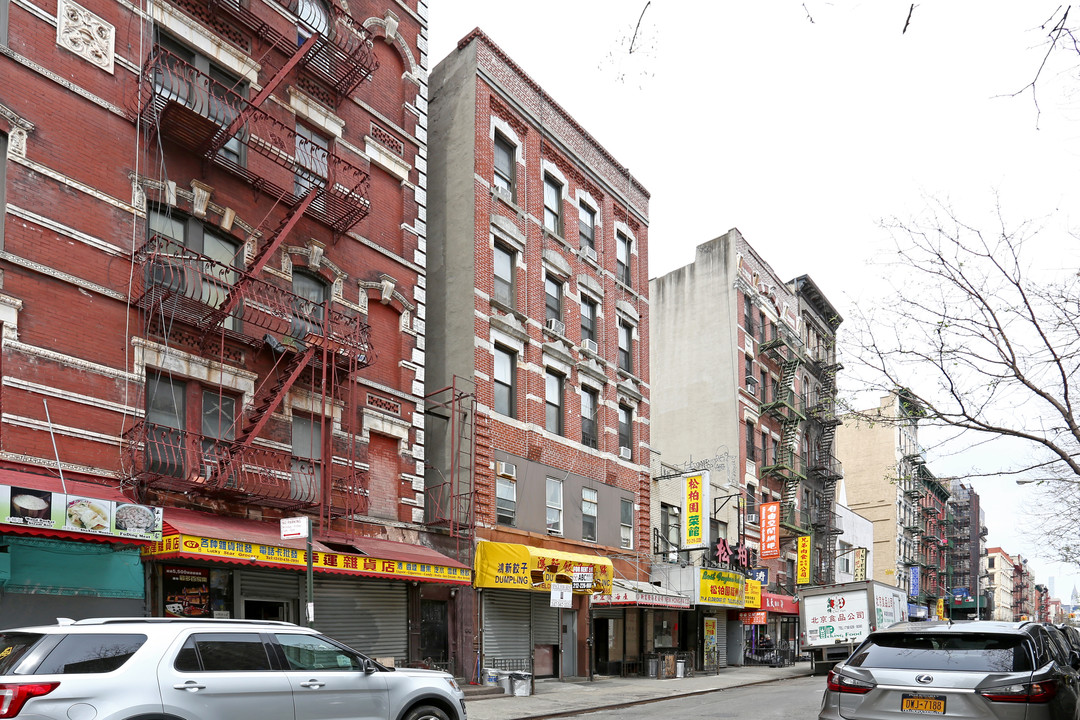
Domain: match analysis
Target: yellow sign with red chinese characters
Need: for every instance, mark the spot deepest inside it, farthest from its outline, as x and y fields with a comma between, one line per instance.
x=752, y=595
x=696, y=501
x=802, y=569
x=522, y=567
x=941, y=608
x=720, y=587
x=238, y=550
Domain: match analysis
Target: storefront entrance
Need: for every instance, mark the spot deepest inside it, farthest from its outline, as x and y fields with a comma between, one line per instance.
x=434, y=631
x=268, y=610
x=569, y=643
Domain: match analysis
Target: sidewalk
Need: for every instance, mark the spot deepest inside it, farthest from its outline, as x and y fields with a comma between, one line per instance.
x=553, y=698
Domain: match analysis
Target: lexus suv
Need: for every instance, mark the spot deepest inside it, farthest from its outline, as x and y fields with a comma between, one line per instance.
x=980, y=669
x=182, y=669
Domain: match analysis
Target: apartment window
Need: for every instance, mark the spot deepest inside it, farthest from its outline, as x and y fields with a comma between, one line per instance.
x=504, y=164
x=765, y=457
x=588, y=318
x=622, y=258
x=554, y=506
x=586, y=225
x=169, y=428
x=503, y=378
x=313, y=17
x=749, y=373
x=552, y=298
x=626, y=334
x=307, y=458
x=588, y=514
x=214, y=98
x=505, y=501
x=761, y=326
x=626, y=524
x=552, y=204
x=312, y=156
x=990, y=563
x=748, y=315
x=750, y=441
x=751, y=499
x=3, y=136
x=626, y=435
x=670, y=530
x=309, y=306
x=789, y=571
x=589, y=404
x=553, y=402
x=504, y=275
x=764, y=386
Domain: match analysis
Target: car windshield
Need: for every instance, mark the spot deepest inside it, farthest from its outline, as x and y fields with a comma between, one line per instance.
x=13, y=646
x=970, y=652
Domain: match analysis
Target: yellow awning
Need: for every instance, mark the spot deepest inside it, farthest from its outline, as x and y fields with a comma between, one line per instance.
x=522, y=567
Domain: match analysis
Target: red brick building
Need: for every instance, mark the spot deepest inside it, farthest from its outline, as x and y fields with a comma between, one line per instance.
x=213, y=304
x=539, y=319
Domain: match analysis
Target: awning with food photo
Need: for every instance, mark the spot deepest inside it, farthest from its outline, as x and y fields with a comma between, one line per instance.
x=635, y=593
x=522, y=567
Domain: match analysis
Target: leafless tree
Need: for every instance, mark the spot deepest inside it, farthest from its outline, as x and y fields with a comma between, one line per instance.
x=984, y=333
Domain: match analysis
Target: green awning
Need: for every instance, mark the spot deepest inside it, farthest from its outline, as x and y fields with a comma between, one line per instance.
x=43, y=566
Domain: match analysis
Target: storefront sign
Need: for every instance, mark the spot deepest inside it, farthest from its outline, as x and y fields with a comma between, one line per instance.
x=710, y=639
x=562, y=595
x=211, y=548
x=758, y=617
x=641, y=594
x=941, y=608
x=914, y=577
x=779, y=604
x=720, y=587
x=770, y=530
x=522, y=567
x=186, y=591
x=583, y=577
x=759, y=574
x=80, y=514
x=860, y=565
x=753, y=594
x=802, y=571
x=696, y=498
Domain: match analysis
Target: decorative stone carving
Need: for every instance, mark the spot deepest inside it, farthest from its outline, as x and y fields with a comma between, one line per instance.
x=85, y=34
x=17, y=143
x=201, y=192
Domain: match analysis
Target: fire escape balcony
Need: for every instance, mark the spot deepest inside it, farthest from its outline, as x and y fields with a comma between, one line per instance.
x=784, y=404
x=828, y=522
x=785, y=464
x=202, y=115
x=782, y=347
x=821, y=407
x=166, y=458
x=794, y=520
x=913, y=491
x=824, y=465
x=192, y=288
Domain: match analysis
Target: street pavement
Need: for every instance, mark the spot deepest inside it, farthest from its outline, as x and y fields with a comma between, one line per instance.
x=553, y=698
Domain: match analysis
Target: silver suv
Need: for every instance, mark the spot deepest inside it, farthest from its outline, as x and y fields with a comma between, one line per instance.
x=983, y=669
x=180, y=669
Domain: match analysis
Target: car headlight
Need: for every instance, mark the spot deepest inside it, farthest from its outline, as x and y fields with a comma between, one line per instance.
x=453, y=683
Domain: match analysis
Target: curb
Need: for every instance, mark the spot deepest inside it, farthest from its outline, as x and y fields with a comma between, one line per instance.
x=646, y=701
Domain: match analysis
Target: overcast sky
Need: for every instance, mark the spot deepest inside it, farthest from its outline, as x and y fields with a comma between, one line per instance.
x=806, y=124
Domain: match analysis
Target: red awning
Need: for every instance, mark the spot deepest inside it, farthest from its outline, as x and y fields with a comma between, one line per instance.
x=52, y=483
x=180, y=521
x=405, y=552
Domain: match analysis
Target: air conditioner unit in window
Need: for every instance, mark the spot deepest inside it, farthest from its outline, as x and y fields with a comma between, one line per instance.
x=751, y=386
x=589, y=345
x=506, y=470
x=752, y=518
x=588, y=253
x=624, y=453
x=556, y=326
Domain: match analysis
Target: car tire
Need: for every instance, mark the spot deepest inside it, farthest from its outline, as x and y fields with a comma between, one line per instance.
x=426, y=712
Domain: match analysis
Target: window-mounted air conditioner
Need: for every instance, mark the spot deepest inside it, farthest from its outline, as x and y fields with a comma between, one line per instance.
x=752, y=518
x=624, y=453
x=556, y=326
x=588, y=253
x=589, y=345
x=506, y=470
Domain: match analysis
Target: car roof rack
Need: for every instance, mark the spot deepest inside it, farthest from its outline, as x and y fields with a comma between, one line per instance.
x=179, y=620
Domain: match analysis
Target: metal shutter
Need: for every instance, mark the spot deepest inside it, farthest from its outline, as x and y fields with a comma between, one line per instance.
x=263, y=585
x=545, y=620
x=371, y=616
x=506, y=624
x=607, y=613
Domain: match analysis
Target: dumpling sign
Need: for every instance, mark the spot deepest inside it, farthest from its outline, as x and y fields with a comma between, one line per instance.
x=35, y=508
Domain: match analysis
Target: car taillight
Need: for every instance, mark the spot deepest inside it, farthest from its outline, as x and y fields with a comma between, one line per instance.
x=842, y=683
x=14, y=695
x=1036, y=692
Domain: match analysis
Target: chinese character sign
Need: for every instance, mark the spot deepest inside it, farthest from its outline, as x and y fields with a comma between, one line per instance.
x=696, y=503
x=941, y=608
x=859, y=570
x=752, y=594
x=770, y=531
x=914, y=581
x=802, y=570
x=720, y=587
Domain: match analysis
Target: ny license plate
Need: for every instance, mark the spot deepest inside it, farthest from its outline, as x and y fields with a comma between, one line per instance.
x=923, y=704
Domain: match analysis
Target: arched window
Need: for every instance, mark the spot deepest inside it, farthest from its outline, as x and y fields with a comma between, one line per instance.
x=314, y=18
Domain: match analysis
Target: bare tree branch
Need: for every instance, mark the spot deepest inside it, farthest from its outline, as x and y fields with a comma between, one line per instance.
x=908, y=21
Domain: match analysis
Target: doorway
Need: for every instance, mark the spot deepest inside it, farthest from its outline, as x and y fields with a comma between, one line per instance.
x=569, y=643
x=268, y=610
x=434, y=635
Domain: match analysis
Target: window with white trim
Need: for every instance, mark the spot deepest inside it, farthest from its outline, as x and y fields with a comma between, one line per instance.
x=505, y=501
x=554, y=506
x=505, y=164
x=552, y=204
x=589, y=504
x=553, y=402
x=626, y=524
x=622, y=258
x=503, y=380
x=504, y=263
x=586, y=225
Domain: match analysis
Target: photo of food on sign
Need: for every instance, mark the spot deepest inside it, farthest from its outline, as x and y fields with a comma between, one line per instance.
x=87, y=514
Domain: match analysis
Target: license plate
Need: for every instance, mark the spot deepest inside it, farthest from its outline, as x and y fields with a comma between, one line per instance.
x=923, y=704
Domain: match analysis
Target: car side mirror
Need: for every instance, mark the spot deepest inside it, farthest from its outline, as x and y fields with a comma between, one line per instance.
x=369, y=665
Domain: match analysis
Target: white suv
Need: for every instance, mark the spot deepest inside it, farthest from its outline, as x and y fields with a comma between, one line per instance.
x=180, y=669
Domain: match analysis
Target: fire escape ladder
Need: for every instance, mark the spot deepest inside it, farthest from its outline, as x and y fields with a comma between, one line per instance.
x=269, y=396
x=239, y=290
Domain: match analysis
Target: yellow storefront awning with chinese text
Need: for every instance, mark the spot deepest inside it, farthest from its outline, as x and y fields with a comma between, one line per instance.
x=522, y=567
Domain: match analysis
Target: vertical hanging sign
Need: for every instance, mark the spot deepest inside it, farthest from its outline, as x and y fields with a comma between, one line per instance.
x=770, y=531
x=696, y=504
x=860, y=565
x=915, y=589
x=802, y=570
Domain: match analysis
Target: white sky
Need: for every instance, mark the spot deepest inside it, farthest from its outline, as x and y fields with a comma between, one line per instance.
x=804, y=135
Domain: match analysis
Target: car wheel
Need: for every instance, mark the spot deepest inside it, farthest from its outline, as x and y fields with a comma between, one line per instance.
x=426, y=712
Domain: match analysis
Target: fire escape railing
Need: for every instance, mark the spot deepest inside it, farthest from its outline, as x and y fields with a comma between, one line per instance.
x=167, y=458
x=191, y=287
x=203, y=115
